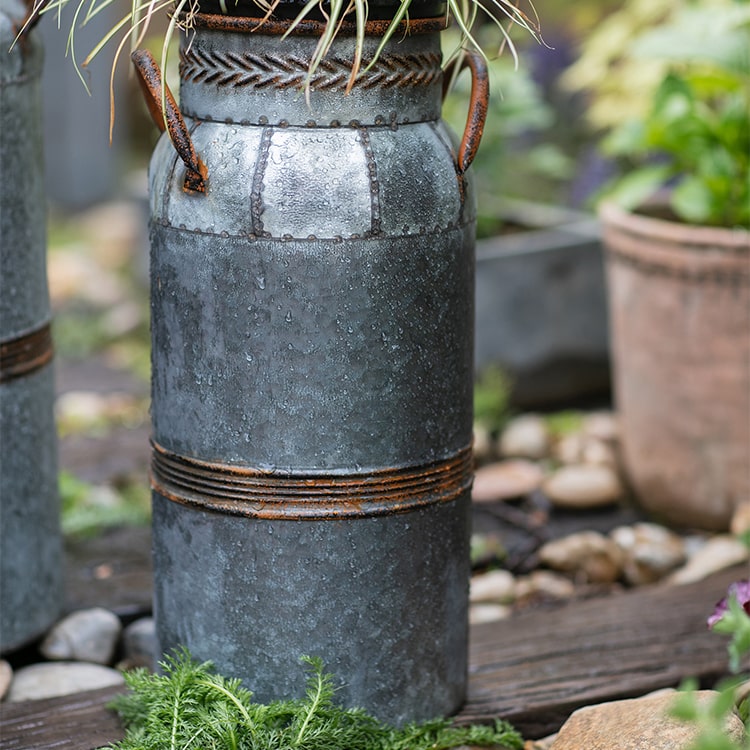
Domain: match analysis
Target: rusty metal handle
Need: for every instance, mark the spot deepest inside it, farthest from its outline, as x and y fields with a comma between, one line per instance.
x=33, y=14
x=478, y=102
x=169, y=118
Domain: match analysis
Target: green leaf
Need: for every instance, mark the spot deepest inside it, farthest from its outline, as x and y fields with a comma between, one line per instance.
x=692, y=200
x=629, y=139
x=640, y=185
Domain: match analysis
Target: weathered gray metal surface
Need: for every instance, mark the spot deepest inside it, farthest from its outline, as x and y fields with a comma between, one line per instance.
x=30, y=542
x=312, y=317
x=542, y=312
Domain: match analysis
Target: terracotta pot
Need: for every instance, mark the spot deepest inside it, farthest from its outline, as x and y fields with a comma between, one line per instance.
x=679, y=300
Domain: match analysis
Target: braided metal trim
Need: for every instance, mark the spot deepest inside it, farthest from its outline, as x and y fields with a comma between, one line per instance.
x=245, y=491
x=25, y=354
x=267, y=71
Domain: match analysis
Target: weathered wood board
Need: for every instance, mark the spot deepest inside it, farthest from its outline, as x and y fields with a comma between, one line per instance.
x=532, y=669
x=535, y=669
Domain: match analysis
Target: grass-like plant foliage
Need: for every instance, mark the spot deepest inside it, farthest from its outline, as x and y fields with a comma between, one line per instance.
x=133, y=27
x=190, y=707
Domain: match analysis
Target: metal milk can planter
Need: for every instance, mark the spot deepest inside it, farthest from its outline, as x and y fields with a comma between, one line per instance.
x=312, y=272
x=30, y=539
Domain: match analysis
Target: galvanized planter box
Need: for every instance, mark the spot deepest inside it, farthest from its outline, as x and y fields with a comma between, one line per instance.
x=541, y=307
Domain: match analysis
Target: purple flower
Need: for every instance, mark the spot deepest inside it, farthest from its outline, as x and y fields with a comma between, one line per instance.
x=741, y=591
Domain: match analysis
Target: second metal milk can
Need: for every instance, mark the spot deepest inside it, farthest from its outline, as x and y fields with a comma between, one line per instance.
x=312, y=312
x=30, y=538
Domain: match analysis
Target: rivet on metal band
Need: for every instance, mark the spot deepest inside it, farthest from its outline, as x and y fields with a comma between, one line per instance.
x=245, y=491
x=25, y=354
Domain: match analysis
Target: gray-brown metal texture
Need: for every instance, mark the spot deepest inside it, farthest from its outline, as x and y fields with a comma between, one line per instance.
x=312, y=318
x=30, y=540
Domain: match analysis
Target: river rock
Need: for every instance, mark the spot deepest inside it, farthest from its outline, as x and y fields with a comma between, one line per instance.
x=637, y=724
x=526, y=436
x=599, y=453
x=139, y=644
x=543, y=584
x=483, y=444
x=718, y=553
x=87, y=635
x=50, y=679
x=582, y=486
x=651, y=551
x=495, y=586
x=506, y=480
x=568, y=449
x=72, y=275
x=6, y=675
x=577, y=448
x=481, y=613
x=588, y=555
x=601, y=425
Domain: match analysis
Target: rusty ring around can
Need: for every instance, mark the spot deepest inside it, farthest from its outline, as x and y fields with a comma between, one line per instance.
x=272, y=494
x=308, y=27
x=25, y=354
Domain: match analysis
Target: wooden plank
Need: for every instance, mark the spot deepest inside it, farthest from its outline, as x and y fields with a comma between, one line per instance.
x=80, y=721
x=532, y=669
x=536, y=668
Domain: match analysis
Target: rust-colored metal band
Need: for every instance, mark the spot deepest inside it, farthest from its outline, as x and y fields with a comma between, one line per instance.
x=25, y=354
x=244, y=491
x=308, y=27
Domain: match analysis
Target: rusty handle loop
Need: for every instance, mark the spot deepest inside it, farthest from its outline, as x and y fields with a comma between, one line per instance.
x=478, y=102
x=169, y=118
x=34, y=10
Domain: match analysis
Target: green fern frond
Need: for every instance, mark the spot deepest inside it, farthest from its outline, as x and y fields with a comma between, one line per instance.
x=190, y=707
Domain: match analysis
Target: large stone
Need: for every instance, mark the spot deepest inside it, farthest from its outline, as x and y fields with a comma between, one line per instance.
x=651, y=551
x=87, y=635
x=543, y=744
x=506, y=480
x=637, y=724
x=583, y=486
x=588, y=555
x=50, y=679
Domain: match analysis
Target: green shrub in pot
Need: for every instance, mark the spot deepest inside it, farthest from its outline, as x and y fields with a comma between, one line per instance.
x=679, y=266
x=695, y=135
